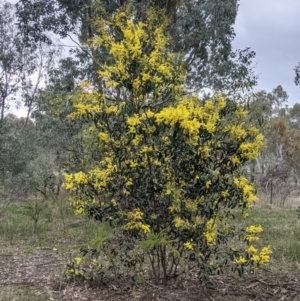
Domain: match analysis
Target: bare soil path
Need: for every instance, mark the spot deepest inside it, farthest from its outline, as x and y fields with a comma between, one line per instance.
x=37, y=275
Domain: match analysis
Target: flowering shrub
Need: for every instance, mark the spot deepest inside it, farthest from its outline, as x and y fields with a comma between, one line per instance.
x=171, y=171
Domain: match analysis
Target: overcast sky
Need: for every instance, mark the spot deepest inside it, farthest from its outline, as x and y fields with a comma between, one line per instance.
x=272, y=29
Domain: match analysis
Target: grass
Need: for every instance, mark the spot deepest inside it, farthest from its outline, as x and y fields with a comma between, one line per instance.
x=56, y=222
x=282, y=232
x=61, y=234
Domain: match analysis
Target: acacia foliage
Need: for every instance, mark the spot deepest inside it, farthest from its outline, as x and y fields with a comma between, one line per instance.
x=170, y=171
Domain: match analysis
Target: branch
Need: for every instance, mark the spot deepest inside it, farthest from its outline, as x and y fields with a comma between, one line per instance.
x=298, y=165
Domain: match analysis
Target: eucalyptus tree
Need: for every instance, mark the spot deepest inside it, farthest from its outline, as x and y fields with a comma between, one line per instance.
x=294, y=114
x=277, y=169
x=297, y=74
x=12, y=57
x=23, y=67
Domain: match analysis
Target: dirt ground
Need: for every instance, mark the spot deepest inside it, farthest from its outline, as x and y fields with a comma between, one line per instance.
x=41, y=272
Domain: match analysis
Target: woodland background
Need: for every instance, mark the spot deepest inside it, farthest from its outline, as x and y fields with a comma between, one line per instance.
x=36, y=151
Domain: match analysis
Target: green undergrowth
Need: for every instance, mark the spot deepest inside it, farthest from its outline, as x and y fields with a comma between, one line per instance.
x=67, y=233
x=56, y=227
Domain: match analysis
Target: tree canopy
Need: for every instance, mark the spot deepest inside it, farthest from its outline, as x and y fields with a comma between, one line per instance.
x=202, y=31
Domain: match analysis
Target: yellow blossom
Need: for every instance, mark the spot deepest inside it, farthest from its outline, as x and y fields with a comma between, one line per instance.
x=111, y=109
x=168, y=192
x=210, y=232
x=190, y=245
x=251, y=250
x=245, y=214
x=77, y=260
x=255, y=258
x=104, y=136
x=240, y=260
x=254, y=229
x=208, y=184
x=225, y=194
x=129, y=182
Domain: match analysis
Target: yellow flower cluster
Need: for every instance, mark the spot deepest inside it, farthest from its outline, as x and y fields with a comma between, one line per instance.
x=135, y=223
x=248, y=190
x=133, y=122
x=104, y=137
x=98, y=178
x=77, y=260
x=210, y=232
x=75, y=269
x=191, y=116
x=260, y=258
x=87, y=101
x=245, y=214
x=137, y=226
x=225, y=194
x=136, y=214
x=155, y=66
x=254, y=229
x=240, y=260
x=185, y=224
x=238, y=131
x=73, y=180
x=252, y=233
x=73, y=272
x=112, y=110
x=191, y=205
x=265, y=255
x=180, y=223
x=208, y=184
x=250, y=150
x=190, y=245
x=235, y=160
